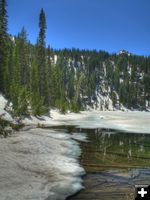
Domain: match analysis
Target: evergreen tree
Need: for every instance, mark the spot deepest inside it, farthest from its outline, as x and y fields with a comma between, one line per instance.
x=36, y=100
x=3, y=41
x=23, y=48
x=49, y=74
x=31, y=77
x=8, y=71
x=42, y=55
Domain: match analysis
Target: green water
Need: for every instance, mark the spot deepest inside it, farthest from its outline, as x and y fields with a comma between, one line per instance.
x=114, y=162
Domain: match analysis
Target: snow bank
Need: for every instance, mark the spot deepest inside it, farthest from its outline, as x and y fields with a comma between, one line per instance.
x=131, y=121
x=39, y=164
x=134, y=121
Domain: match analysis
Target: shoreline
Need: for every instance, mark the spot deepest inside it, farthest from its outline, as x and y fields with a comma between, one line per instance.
x=33, y=138
x=134, y=122
x=43, y=162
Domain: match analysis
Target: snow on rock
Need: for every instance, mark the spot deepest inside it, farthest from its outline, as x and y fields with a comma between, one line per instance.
x=39, y=164
x=3, y=102
x=3, y=113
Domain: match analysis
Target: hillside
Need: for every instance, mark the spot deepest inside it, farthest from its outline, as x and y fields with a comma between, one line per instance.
x=103, y=81
x=77, y=80
x=36, y=78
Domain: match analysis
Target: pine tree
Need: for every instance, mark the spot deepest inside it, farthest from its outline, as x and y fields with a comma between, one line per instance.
x=49, y=74
x=8, y=71
x=23, y=57
x=3, y=41
x=36, y=100
x=42, y=54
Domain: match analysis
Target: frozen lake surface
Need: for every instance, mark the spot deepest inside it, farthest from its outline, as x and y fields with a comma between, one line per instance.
x=135, y=122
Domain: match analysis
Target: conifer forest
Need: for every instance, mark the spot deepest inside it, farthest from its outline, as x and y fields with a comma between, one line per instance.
x=37, y=77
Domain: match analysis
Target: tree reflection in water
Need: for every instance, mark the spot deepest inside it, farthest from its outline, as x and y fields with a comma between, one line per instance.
x=114, y=162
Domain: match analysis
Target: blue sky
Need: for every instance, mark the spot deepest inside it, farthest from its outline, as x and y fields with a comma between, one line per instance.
x=108, y=25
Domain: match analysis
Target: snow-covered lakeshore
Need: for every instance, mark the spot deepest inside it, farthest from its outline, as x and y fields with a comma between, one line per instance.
x=41, y=164
x=131, y=121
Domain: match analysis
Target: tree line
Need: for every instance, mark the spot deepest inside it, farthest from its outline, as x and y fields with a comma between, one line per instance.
x=36, y=77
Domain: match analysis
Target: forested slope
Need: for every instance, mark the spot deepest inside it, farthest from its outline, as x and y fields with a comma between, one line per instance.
x=37, y=77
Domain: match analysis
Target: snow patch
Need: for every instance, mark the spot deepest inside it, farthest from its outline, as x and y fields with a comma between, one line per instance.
x=39, y=164
x=130, y=121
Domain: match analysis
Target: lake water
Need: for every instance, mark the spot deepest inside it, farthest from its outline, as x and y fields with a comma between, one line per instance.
x=44, y=164
x=114, y=163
